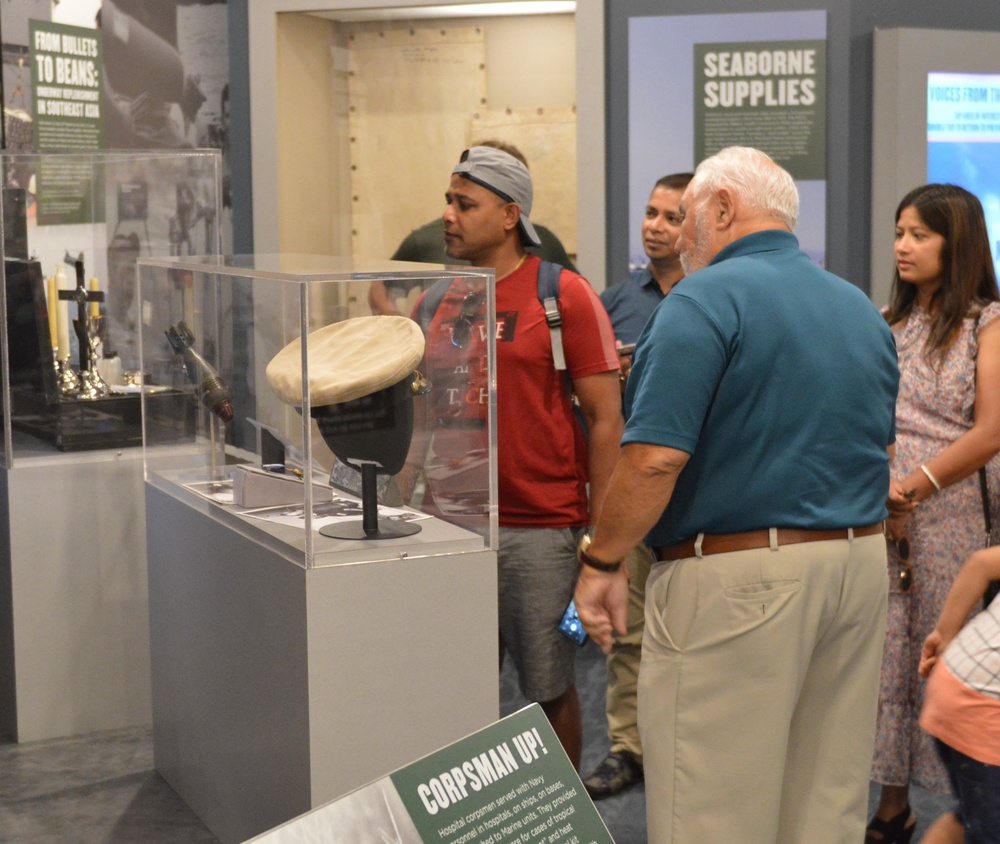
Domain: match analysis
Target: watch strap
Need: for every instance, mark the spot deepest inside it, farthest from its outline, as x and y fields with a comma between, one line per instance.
x=586, y=559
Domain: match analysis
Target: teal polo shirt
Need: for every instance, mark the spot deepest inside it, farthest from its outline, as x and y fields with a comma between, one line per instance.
x=779, y=380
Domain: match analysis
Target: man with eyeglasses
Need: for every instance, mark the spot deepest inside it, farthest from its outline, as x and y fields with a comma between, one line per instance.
x=545, y=460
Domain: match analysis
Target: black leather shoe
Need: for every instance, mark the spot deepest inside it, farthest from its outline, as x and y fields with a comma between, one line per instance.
x=618, y=771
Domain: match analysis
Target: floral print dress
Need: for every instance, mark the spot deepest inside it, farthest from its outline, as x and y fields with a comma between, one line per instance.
x=934, y=408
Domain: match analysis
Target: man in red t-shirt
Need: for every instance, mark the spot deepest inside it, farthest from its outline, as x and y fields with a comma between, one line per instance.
x=545, y=461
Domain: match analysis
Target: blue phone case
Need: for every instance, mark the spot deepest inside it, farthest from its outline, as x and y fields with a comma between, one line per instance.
x=570, y=625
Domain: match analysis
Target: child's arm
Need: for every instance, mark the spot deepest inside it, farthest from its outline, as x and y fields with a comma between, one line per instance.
x=968, y=588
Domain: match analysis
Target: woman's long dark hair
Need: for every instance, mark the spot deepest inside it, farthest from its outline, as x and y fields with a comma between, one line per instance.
x=968, y=278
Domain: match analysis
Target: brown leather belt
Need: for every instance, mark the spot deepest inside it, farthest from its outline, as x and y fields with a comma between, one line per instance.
x=723, y=543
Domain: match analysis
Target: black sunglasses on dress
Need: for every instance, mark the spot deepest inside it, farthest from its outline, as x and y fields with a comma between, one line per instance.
x=906, y=573
x=467, y=314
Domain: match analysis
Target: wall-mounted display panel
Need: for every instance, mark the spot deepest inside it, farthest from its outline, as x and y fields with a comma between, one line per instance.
x=935, y=118
x=963, y=139
x=755, y=79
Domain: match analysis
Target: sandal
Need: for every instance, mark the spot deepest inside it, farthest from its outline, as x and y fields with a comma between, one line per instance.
x=894, y=831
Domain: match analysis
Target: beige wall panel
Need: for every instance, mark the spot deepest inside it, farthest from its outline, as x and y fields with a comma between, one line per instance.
x=411, y=94
x=306, y=124
x=547, y=137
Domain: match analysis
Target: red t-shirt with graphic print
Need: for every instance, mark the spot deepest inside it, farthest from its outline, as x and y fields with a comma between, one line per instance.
x=542, y=452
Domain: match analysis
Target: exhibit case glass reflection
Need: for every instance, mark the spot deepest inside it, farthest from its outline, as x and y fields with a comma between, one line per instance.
x=311, y=425
x=74, y=225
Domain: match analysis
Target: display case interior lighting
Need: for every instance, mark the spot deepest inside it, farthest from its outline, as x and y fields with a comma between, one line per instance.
x=459, y=10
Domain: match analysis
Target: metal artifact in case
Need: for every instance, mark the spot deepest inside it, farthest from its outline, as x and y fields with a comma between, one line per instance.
x=74, y=225
x=324, y=431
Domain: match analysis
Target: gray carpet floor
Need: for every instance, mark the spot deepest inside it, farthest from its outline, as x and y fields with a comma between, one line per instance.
x=103, y=788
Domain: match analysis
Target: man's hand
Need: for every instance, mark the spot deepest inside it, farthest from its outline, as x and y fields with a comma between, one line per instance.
x=601, y=600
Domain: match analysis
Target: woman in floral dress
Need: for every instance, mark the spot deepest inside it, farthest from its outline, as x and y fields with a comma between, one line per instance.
x=945, y=315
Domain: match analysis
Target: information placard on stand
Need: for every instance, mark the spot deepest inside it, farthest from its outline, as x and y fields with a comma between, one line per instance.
x=510, y=782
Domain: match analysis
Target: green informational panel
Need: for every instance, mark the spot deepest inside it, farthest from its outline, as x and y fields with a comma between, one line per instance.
x=69, y=117
x=510, y=782
x=66, y=71
x=65, y=191
x=766, y=94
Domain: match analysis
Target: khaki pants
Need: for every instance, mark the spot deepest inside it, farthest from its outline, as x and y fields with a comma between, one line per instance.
x=758, y=693
x=623, y=661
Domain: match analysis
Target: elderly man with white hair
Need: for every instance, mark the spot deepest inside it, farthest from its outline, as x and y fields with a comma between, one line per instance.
x=759, y=413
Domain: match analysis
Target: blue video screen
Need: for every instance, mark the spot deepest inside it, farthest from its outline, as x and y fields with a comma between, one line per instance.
x=963, y=140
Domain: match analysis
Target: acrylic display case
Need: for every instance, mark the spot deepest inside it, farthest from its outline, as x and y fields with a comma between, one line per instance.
x=322, y=559
x=74, y=617
x=242, y=452
x=73, y=226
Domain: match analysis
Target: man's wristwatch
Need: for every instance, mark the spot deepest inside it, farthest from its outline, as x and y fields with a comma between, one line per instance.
x=593, y=562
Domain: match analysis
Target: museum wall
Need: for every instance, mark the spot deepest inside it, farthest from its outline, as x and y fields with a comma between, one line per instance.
x=372, y=115
x=851, y=25
x=308, y=137
x=143, y=106
x=528, y=66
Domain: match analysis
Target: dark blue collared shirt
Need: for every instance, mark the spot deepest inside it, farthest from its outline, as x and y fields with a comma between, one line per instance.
x=630, y=304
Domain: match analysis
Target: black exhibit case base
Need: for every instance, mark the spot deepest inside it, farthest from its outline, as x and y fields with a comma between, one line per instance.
x=113, y=421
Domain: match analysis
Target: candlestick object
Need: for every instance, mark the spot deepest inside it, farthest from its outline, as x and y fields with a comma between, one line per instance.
x=52, y=304
x=62, y=314
x=95, y=305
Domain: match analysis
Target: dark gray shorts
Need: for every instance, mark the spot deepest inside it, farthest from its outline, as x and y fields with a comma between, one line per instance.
x=537, y=570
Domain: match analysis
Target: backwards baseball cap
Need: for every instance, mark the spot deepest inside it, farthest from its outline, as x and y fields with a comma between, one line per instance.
x=507, y=177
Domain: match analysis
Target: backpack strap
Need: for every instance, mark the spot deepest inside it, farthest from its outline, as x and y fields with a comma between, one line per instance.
x=548, y=295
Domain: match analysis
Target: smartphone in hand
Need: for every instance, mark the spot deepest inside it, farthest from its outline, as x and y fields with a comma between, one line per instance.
x=569, y=625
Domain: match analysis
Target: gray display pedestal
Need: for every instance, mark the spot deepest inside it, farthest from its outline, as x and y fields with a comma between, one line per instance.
x=277, y=688
x=74, y=628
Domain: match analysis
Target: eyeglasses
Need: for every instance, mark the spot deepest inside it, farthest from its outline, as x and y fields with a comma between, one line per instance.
x=906, y=573
x=462, y=327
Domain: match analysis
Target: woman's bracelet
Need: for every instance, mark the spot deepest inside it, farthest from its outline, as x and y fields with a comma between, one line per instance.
x=931, y=478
